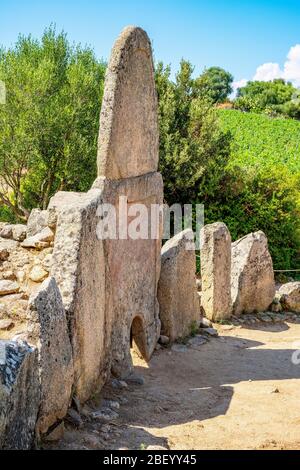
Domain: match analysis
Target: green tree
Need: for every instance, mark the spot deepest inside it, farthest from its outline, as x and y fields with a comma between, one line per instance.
x=265, y=96
x=215, y=83
x=193, y=149
x=49, y=125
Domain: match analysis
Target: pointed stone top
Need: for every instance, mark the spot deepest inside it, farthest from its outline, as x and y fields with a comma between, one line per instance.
x=128, y=137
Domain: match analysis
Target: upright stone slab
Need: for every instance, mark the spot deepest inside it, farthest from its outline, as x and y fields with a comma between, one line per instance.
x=177, y=292
x=48, y=330
x=78, y=266
x=216, y=271
x=127, y=167
x=252, y=276
x=128, y=137
x=19, y=395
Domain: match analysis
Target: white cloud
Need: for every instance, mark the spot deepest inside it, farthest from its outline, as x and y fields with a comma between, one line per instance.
x=267, y=72
x=238, y=84
x=292, y=65
x=290, y=70
x=271, y=70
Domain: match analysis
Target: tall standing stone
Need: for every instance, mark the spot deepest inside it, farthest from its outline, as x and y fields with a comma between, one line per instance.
x=177, y=292
x=252, y=275
x=127, y=167
x=215, y=271
x=128, y=136
x=109, y=286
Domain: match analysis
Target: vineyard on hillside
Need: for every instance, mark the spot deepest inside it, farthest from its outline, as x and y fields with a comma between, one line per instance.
x=261, y=140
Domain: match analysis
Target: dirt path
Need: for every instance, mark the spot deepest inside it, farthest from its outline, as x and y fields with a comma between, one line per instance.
x=238, y=391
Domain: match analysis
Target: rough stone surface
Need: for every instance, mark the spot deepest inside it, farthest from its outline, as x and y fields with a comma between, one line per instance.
x=177, y=291
x=48, y=330
x=19, y=232
x=4, y=254
x=205, y=323
x=113, y=296
x=19, y=395
x=16, y=232
x=290, y=296
x=128, y=137
x=78, y=265
x=37, y=220
x=6, y=231
x=38, y=274
x=40, y=240
x=8, y=287
x=8, y=245
x=252, y=276
x=132, y=292
x=6, y=324
x=216, y=271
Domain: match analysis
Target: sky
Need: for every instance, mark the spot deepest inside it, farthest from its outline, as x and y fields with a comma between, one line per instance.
x=251, y=39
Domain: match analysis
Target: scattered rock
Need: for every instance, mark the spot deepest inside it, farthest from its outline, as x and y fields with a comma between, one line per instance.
x=114, y=405
x=119, y=384
x=21, y=276
x=266, y=319
x=9, y=275
x=6, y=231
x=74, y=418
x=211, y=332
x=37, y=221
x=41, y=240
x=181, y=348
x=164, y=339
x=6, y=324
x=6, y=248
x=19, y=232
x=4, y=254
x=197, y=341
x=135, y=379
x=205, y=323
x=275, y=390
x=38, y=274
x=47, y=262
x=8, y=287
x=290, y=296
x=105, y=415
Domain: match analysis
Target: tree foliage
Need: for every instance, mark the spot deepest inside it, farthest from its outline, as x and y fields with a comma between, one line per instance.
x=273, y=97
x=49, y=125
x=215, y=83
x=193, y=149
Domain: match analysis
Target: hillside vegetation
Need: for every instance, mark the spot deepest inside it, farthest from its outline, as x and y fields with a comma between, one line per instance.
x=261, y=140
x=261, y=185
